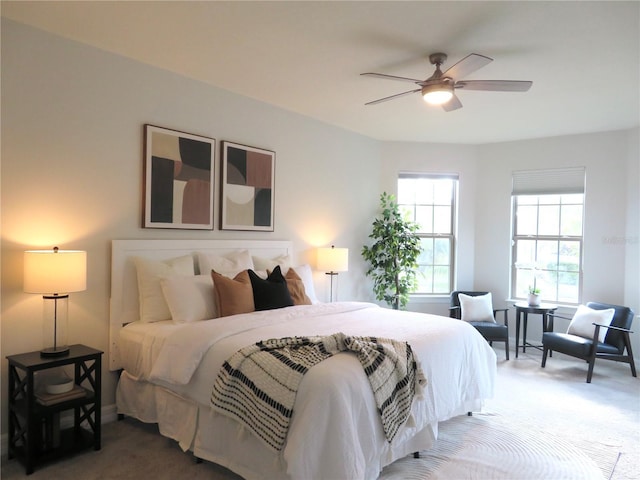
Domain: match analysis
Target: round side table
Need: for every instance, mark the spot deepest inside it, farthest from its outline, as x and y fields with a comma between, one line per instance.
x=523, y=310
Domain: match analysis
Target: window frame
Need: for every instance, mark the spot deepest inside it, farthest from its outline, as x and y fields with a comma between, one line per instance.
x=452, y=219
x=559, y=238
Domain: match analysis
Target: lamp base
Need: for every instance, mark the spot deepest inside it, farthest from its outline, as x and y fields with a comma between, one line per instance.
x=54, y=352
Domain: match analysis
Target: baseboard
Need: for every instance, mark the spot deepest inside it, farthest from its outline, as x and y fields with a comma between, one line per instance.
x=108, y=415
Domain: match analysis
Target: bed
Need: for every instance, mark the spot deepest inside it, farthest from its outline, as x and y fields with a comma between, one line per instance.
x=168, y=366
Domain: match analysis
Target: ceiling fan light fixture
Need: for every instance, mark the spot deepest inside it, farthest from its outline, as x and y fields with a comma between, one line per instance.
x=438, y=88
x=437, y=94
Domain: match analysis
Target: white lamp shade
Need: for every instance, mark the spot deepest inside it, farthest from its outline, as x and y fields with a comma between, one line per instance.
x=49, y=271
x=333, y=259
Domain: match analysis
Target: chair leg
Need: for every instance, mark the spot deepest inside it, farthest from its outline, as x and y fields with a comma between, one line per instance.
x=506, y=347
x=544, y=356
x=592, y=360
x=632, y=364
x=590, y=372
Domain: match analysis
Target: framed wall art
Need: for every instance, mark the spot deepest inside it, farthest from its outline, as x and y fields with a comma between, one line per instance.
x=178, y=179
x=248, y=179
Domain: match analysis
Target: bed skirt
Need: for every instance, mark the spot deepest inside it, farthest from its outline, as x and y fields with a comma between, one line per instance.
x=218, y=439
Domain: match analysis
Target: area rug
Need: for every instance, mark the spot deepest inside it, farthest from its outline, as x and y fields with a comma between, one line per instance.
x=485, y=446
x=482, y=447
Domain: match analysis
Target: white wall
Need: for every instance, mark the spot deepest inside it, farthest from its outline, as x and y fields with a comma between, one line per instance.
x=72, y=129
x=631, y=241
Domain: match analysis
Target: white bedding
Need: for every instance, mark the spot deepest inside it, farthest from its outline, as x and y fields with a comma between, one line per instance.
x=336, y=430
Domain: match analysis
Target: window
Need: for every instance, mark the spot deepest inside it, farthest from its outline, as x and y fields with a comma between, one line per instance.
x=430, y=201
x=547, y=234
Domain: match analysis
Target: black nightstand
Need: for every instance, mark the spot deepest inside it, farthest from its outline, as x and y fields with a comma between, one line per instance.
x=33, y=426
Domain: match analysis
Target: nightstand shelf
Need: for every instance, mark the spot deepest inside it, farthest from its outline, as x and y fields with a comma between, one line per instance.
x=35, y=435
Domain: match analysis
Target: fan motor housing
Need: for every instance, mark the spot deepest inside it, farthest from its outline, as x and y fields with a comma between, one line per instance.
x=437, y=58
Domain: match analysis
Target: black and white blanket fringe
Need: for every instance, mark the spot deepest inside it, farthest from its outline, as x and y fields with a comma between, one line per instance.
x=258, y=384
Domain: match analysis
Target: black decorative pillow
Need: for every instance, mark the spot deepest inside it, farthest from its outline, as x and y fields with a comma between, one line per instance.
x=272, y=292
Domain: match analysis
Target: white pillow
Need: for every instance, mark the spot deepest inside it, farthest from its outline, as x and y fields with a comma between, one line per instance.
x=305, y=274
x=228, y=265
x=260, y=263
x=189, y=298
x=476, y=309
x=584, y=318
x=153, y=307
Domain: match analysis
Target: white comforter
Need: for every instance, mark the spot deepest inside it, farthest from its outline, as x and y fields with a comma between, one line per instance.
x=336, y=432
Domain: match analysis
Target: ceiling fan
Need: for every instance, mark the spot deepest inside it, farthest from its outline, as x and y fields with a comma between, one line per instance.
x=439, y=88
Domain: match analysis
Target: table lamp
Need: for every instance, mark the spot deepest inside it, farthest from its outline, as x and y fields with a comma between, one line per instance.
x=331, y=261
x=55, y=273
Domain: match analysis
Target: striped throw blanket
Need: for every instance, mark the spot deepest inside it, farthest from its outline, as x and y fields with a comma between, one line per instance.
x=257, y=386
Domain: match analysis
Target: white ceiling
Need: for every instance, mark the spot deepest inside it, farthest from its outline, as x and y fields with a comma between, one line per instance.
x=306, y=57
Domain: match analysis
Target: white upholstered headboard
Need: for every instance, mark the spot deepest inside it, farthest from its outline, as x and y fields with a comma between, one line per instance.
x=124, y=306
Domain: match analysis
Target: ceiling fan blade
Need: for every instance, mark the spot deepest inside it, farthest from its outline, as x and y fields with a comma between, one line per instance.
x=452, y=104
x=495, y=85
x=467, y=65
x=393, y=77
x=397, y=95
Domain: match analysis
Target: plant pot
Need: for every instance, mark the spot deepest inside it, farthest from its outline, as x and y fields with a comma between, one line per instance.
x=534, y=300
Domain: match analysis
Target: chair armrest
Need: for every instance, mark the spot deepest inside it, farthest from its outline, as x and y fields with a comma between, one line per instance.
x=613, y=327
x=552, y=316
x=506, y=315
x=598, y=326
x=455, y=312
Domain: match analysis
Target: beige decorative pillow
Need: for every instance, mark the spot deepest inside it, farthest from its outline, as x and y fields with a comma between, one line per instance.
x=229, y=264
x=153, y=307
x=305, y=273
x=296, y=288
x=233, y=296
x=189, y=298
x=261, y=263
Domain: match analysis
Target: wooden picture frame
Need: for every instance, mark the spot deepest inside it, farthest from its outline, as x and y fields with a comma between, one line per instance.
x=247, y=188
x=178, y=179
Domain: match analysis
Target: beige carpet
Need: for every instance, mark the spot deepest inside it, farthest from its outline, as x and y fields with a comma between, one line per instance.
x=542, y=424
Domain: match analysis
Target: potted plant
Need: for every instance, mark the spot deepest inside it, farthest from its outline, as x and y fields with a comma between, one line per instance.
x=534, y=295
x=393, y=256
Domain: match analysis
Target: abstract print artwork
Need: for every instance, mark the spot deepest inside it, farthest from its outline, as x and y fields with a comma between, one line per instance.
x=179, y=169
x=248, y=177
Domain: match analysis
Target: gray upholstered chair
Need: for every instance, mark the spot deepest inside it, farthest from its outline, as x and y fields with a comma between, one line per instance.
x=616, y=345
x=492, y=331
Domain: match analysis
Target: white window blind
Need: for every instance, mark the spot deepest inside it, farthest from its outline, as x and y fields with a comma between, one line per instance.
x=550, y=181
